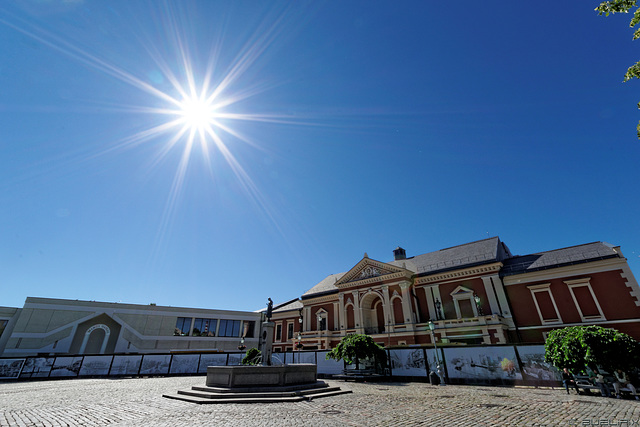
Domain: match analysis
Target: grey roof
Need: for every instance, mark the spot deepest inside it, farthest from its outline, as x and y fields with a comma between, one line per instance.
x=291, y=305
x=327, y=285
x=469, y=254
x=558, y=258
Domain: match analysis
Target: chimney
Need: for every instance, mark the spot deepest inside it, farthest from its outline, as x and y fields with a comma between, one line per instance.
x=399, y=253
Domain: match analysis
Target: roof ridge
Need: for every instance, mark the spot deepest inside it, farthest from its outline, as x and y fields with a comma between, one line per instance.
x=465, y=244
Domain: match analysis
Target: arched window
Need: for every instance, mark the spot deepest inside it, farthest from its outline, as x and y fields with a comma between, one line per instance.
x=398, y=314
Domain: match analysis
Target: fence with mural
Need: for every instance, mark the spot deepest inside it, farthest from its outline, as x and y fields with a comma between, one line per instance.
x=472, y=365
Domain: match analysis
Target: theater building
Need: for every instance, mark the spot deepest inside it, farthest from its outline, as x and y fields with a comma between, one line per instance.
x=476, y=293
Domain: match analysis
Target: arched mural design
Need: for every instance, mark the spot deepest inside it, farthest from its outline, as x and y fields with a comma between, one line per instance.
x=95, y=339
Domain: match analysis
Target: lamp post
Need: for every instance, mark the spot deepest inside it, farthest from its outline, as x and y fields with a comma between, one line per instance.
x=432, y=327
x=299, y=345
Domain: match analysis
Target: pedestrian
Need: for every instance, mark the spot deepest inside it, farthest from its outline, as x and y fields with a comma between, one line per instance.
x=569, y=380
x=622, y=380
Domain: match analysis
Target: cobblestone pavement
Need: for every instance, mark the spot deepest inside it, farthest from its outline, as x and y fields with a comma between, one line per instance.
x=139, y=402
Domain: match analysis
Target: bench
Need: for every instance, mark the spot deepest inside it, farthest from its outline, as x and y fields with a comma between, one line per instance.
x=358, y=374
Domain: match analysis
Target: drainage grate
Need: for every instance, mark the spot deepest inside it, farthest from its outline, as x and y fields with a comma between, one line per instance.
x=446, y=397
x=488, y=405
x=499, y=395
x=331, y=412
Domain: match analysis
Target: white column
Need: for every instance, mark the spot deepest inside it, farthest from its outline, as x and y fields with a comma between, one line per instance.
x=306, y=319
x=336, y=317
x=491, y=296
x=430, y=304
x=343, y=313
x=502, y=297
x=406, y=305
x=386, y=308
x=357, y=313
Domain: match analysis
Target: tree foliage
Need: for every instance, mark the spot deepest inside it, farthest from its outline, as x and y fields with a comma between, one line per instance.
x=624, y=6
x=578, y=347
x=252, y=357
x=356, y=347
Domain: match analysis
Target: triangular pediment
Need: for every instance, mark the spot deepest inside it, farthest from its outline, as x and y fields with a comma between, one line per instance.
x=461, y=290
x=369, y=269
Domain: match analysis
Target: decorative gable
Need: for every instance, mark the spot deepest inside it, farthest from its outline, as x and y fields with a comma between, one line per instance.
x=461, y=291
x=369, y=271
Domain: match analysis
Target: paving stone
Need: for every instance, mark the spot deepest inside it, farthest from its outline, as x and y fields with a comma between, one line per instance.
x=139, y=401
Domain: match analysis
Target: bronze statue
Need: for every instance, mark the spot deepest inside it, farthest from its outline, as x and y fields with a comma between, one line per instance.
x=269, y=309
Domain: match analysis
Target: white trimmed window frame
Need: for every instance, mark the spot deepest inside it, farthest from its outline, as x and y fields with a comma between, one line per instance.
x=463, y=293
x=545, y=287
x=584, y=282
x=323, y=313
x=396, y=296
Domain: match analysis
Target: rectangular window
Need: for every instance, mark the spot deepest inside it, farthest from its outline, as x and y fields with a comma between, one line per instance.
x=204, y=327
x=278, y=332
x=249, y=327
x=229, y=328
x=290, y=331
x=183, y=326
x=585, y=299
x=545, y=304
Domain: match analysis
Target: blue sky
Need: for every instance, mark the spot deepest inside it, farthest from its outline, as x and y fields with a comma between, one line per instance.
x=342, y=128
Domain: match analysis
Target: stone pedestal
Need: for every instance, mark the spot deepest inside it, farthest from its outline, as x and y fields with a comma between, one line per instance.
x=267, y=341
x=261, y=376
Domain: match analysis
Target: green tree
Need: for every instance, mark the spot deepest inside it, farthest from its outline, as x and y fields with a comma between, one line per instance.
x=356, y=347
x=624, y=6
x=252, y=357
x=578, y=347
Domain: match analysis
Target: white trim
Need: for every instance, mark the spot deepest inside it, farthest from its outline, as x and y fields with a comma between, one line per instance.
x=105, y=340
x=463, y=293
x=545, y=288
x=579, y=283
x=631, y=283
x=564, y=325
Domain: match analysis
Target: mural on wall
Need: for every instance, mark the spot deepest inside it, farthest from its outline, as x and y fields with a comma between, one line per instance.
x=533, y=365
x=10, y=368
x=125, y=365
x=184, y=363
x=66, y=367
x=482, y=363
x=211, y=360
x=37, y=367
x=408, y=362
x=155, y=364
x=96, y=365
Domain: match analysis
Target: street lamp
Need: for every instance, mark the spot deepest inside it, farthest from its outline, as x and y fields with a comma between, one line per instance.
x=438, y=305
x=432, y=327
x=476, y=298
x=241, y=347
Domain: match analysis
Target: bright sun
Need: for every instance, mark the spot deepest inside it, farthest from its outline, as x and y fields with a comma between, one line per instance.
x=196, y=114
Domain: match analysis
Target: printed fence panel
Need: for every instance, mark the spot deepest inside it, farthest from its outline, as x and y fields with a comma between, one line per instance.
x=66, y=367
x=534, y=368
x=184, y=364
x=10, y=368
x=155, y=364
x=37, y=367
x=408, y=362
x=126, y=365
x=95, y=365
x=219, y=359
x=482, y=363
x=329, y=367
x=235, y=359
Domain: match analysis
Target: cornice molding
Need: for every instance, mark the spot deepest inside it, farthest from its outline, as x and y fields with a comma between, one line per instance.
x=459, y=274
x=585, y=268
x=325, y=298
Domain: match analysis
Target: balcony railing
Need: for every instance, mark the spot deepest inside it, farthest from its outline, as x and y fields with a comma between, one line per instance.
x=372, y=330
